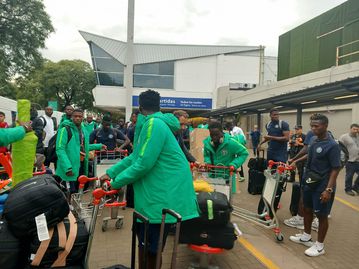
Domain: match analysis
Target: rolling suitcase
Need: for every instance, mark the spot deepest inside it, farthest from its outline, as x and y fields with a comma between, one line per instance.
x=215, y=236
x=31, y=198
x=256, y=176
x=294, y=201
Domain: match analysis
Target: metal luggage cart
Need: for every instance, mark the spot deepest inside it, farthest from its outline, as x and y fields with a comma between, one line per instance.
x=274, y=178
x=82, y=206
x=219, y=177
x=104, y=160
x=99, y=195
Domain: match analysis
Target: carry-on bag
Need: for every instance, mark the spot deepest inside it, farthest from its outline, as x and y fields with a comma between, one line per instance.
x=10, y=248
x=176, y=238
x=256, y=176
x=294, y=200
x=31, y=198
x=215, y=208
x=196, y=233
x=69, y=229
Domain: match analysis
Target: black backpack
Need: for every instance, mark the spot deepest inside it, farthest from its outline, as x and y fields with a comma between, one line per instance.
x=51, y=149
x=344, y=153
x=54, y=120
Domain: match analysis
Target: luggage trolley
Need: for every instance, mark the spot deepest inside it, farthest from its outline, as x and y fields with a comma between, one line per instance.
x=274, y=176
x=102, y=161
x=220, y=178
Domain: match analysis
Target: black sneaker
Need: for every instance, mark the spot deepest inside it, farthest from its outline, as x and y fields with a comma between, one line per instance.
x=351, y=193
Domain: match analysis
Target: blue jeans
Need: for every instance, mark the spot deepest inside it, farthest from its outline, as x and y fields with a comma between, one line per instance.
x=351, y=169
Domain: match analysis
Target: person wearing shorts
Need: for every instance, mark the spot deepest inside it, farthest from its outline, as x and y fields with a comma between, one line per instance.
x=319, y=181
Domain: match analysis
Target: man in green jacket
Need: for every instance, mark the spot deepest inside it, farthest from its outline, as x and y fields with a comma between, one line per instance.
x=89, y=124
x=159, y=171
x=72, y=150
x=223, y=150
x=66, y=117
x=11, y=135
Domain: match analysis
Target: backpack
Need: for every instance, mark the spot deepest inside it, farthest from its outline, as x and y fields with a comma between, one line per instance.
x=344, y=153
x=280, y=125
x=51, y=155
x=54, y=120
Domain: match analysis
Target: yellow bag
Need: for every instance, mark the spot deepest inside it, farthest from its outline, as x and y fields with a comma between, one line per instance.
x=201, y=185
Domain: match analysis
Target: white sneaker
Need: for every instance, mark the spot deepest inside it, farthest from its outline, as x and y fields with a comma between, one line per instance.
x=314, y=251
x=298, y=238
x=295, y=222
x=315, y=224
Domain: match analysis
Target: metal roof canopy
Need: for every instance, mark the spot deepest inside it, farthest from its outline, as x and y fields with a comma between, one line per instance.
x=312, y=97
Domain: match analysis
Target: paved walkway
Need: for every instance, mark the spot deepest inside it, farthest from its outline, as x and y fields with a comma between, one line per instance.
x=257, y=248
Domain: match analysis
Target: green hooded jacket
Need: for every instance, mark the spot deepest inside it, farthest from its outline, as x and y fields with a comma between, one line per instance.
x=158, y=170
x=89, y=127
x=229, y=153
x=68, y=152
x=64, y=119
x=11, y=135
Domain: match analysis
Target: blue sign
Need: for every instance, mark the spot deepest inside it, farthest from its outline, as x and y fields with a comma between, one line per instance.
x=181, y=103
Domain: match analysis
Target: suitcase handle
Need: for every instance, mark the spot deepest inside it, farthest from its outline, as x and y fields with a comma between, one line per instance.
x=178, y=218
x=146, y=221
x=171, y=212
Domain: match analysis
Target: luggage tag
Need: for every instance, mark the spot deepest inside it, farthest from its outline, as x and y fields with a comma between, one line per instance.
x=41, y=226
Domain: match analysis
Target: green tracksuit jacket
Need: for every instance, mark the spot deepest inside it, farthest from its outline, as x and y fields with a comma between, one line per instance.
x=229, y=153
x=11, y=135
x=158, y=170
x=68, y=152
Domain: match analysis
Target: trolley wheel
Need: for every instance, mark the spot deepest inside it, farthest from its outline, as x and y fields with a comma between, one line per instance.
x=119, y=224
x=279, y=237
x=104, y=225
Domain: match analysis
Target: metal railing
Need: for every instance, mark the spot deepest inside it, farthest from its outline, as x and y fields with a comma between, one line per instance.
x=338, y=57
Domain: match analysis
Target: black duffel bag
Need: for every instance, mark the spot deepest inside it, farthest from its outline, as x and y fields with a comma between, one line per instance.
x=31, y=198
x=199, y=234
x=77, y=248
x=10, y=248
x=215, y=208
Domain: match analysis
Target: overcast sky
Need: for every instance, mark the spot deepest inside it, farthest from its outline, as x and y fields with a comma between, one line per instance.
x=210, y=22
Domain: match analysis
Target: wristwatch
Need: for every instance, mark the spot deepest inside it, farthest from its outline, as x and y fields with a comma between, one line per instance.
x=330, y=190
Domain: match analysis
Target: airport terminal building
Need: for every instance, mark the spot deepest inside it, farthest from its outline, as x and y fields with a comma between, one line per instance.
x=187, y=76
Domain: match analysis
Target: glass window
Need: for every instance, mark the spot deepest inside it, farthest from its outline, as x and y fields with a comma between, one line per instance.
x=98, y=52
x=146, y=68
x=108, y=65
x=110, y=79
x=166, y=68
x=150, y=81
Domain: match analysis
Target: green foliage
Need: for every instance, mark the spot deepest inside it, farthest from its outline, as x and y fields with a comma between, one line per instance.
x=24, y=27
x=70, y=82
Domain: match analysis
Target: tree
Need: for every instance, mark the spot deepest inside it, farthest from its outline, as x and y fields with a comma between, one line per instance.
x=24, y=27
x=70, y=82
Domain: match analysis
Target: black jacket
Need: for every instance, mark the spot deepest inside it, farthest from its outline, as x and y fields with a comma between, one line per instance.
x=180, y=141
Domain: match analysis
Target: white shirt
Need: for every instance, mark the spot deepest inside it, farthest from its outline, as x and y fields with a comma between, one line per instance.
x=237, y=131
x=49, y=129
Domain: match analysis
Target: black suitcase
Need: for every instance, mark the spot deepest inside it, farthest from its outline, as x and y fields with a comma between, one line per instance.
x=256, y=181
x=31, y=198
x=77, y=253
x=215, y=208
x=294, y=200
x=200, y=234
x=10, y=248
x=258, y=163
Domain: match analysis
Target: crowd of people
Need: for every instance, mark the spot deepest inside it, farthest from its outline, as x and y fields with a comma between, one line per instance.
x=157, y=167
